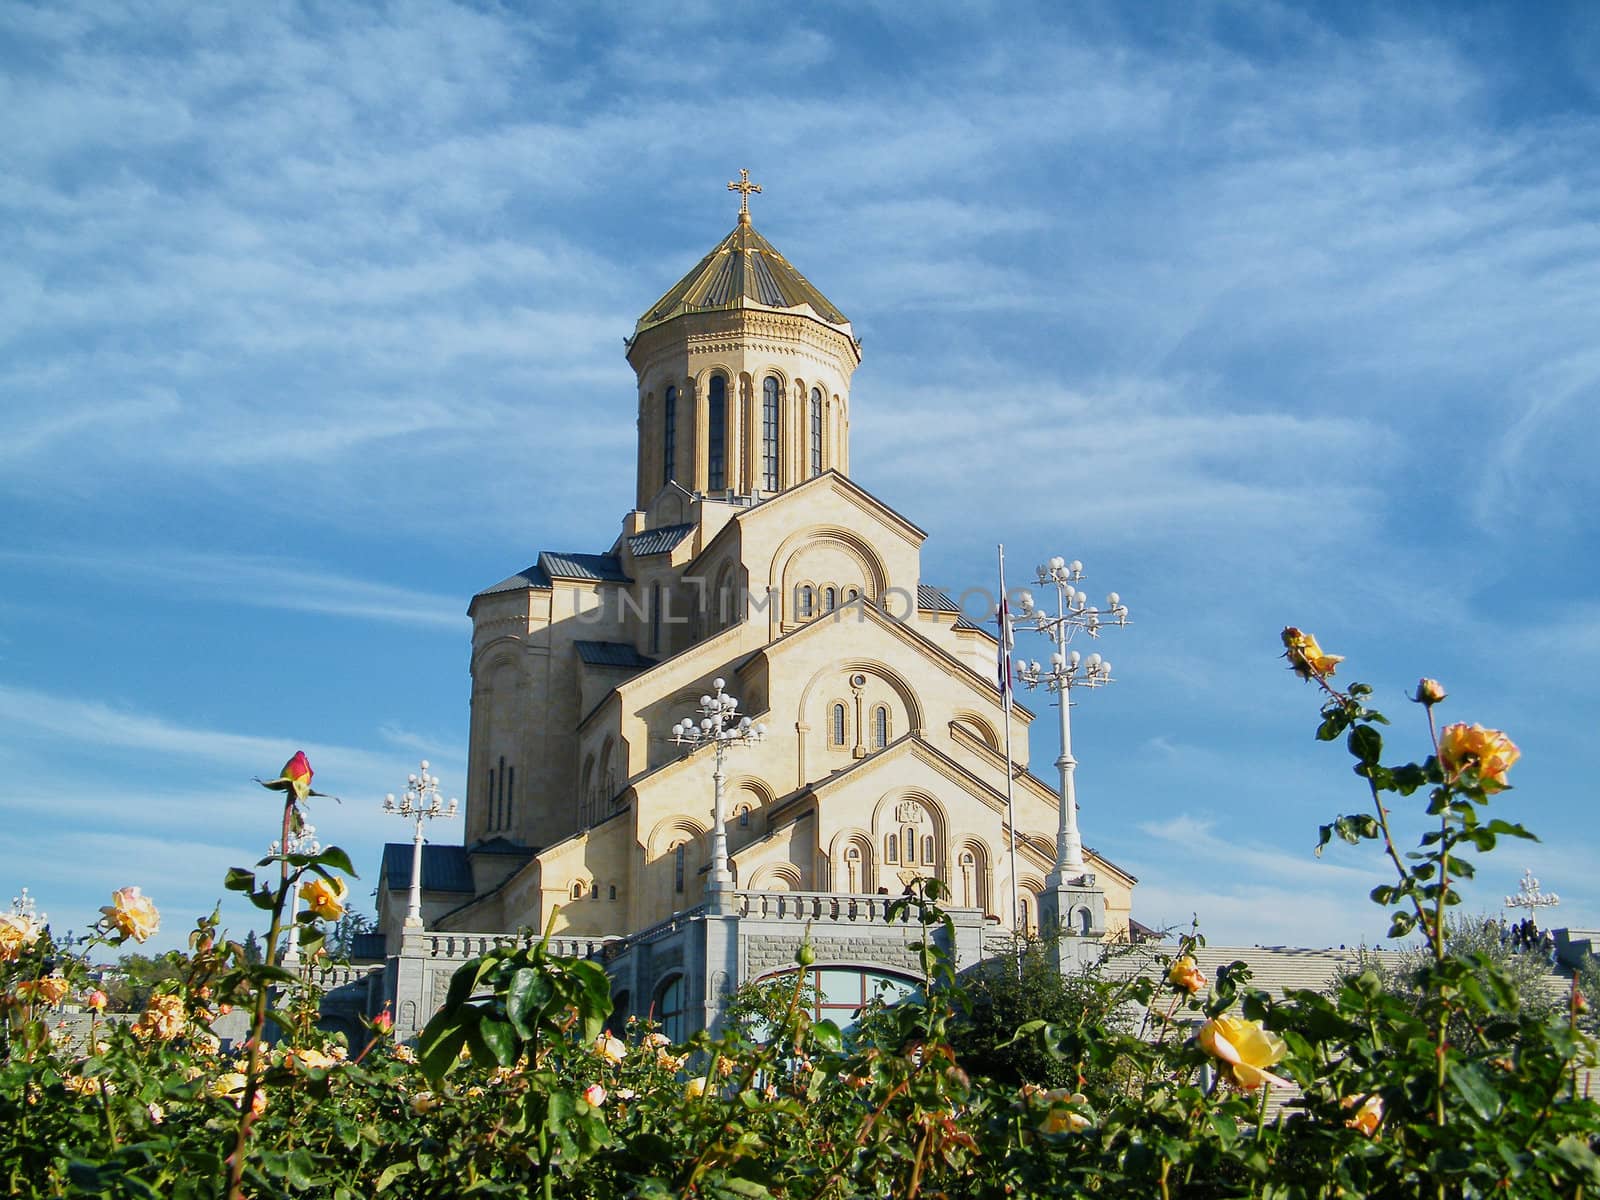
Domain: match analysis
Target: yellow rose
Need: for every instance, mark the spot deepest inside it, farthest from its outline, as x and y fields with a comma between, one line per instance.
x=1185, y=975
x=230, y=1086
x=1306, y=657
x=325, y=897
x=1368, y=1117
x=1061, y=1118
x=307, y=1059
x=612, y=1049
x=424, y=1102
x=49, y=990
x=132, y=914
x=18, y=931
x=163, y=1019
x=1473, y=748
x=1245, y=1050
x=695, y=1088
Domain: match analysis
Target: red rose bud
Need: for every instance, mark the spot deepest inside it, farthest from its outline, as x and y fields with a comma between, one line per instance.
x=295, y=777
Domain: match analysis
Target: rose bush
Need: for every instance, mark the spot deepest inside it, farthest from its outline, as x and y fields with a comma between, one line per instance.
x=524, y=1083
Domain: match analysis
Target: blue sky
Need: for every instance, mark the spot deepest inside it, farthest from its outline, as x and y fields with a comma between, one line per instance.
x=311, y=325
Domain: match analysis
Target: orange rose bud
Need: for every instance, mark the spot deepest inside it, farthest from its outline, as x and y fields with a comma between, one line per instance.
x=1185, y=975
x=96, y=1000
x=1429, y=692
x=296, y=776
x=1306, y=658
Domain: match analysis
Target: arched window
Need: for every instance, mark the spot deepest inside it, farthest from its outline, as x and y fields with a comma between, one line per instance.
x=669, y=436
x=594, y=890
x=655, y=618
x=677, y=867
x=880, y=727
x=836, y=725
x=852, y=866
x=669, y=1008
x=500, y=797
x=805, y=599
x=909, y=837
x=611, y=892
x=927, y=850
x=769, y=433
x=830, y=599
x=891, y=848
x=816, y=431
x=744, y=816
x=577, y=889
x=511, y=791
x=852, y=594
x=717, y=435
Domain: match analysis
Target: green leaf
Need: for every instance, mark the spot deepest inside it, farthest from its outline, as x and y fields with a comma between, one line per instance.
x=500, y=1040
x=1576, y=1152
x=440, y=1043
x=1472, y=1087
x=337, y=860
x=239, y=879
x=526, y=995
x=1402, y=923
x=827, y=1035
x=392, y=1172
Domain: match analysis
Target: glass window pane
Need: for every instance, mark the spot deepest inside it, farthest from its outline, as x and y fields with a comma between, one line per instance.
x=839, y=987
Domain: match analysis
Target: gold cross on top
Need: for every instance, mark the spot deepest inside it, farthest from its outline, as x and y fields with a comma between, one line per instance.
x=744, y=187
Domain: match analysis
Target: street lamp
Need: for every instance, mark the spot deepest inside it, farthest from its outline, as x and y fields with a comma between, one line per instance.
x=1066, y=670
x=422, y=801
x=722, y=727
x=1530, y=897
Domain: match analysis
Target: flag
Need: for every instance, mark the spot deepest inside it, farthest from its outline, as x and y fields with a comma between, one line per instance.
x=1008, y=643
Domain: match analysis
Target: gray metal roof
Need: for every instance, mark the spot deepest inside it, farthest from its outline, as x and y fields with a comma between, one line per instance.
x=658, y=541
x=612, y=654
x=444, y=868
x=938, y=600
x=604, y=568
x=533, y=577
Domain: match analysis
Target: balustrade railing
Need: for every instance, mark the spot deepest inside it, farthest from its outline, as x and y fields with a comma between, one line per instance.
x=463, y=946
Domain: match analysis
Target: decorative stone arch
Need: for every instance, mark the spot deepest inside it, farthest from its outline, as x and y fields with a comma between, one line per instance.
x=503, y=651
x=864, y=861
x=916, y=717
x=1028, y=889
x=978, y=726
x=777, y=877
x=670, y=830
x=886, y=820
x=972, y=876
x=875, y=575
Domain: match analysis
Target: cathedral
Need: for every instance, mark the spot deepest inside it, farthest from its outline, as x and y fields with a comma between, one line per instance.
x=751, y=566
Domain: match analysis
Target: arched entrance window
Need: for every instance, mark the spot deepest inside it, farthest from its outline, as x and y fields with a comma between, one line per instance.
x=717, y=434
x=769, y=433
x=852, y=863
x=670, y=1006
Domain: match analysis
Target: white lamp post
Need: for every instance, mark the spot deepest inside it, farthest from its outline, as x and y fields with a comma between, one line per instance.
x=1530, y=897
x=1067, y=670
x=422, y=801
x=722, y=727
x=304, y=842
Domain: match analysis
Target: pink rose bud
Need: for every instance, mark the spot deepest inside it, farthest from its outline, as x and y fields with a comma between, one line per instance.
x=96, y=1000
x=594, y=1095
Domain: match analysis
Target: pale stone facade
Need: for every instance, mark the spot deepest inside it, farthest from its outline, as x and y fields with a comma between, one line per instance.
x=751, y=557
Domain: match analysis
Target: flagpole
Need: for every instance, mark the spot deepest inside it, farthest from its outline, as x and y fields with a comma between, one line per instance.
x=1006, y=643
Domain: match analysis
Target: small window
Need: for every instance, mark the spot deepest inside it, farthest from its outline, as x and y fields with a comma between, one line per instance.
x=891, y=848
x=967, y=860
x=717, y=435
x=836, y=728
x=744, y=816
x=611, y=892
x=853, y=854
x=594, y=891
x=927, y=851
x=816, y=431
x=669, y=436
x=511, y=789
x=769, y=433
x=577, y=890
x=909, y=835
x=852, y=595
x=677, y=867
x=880, y=727
x=830, y=599
x=805, y=600
x=655, y=618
